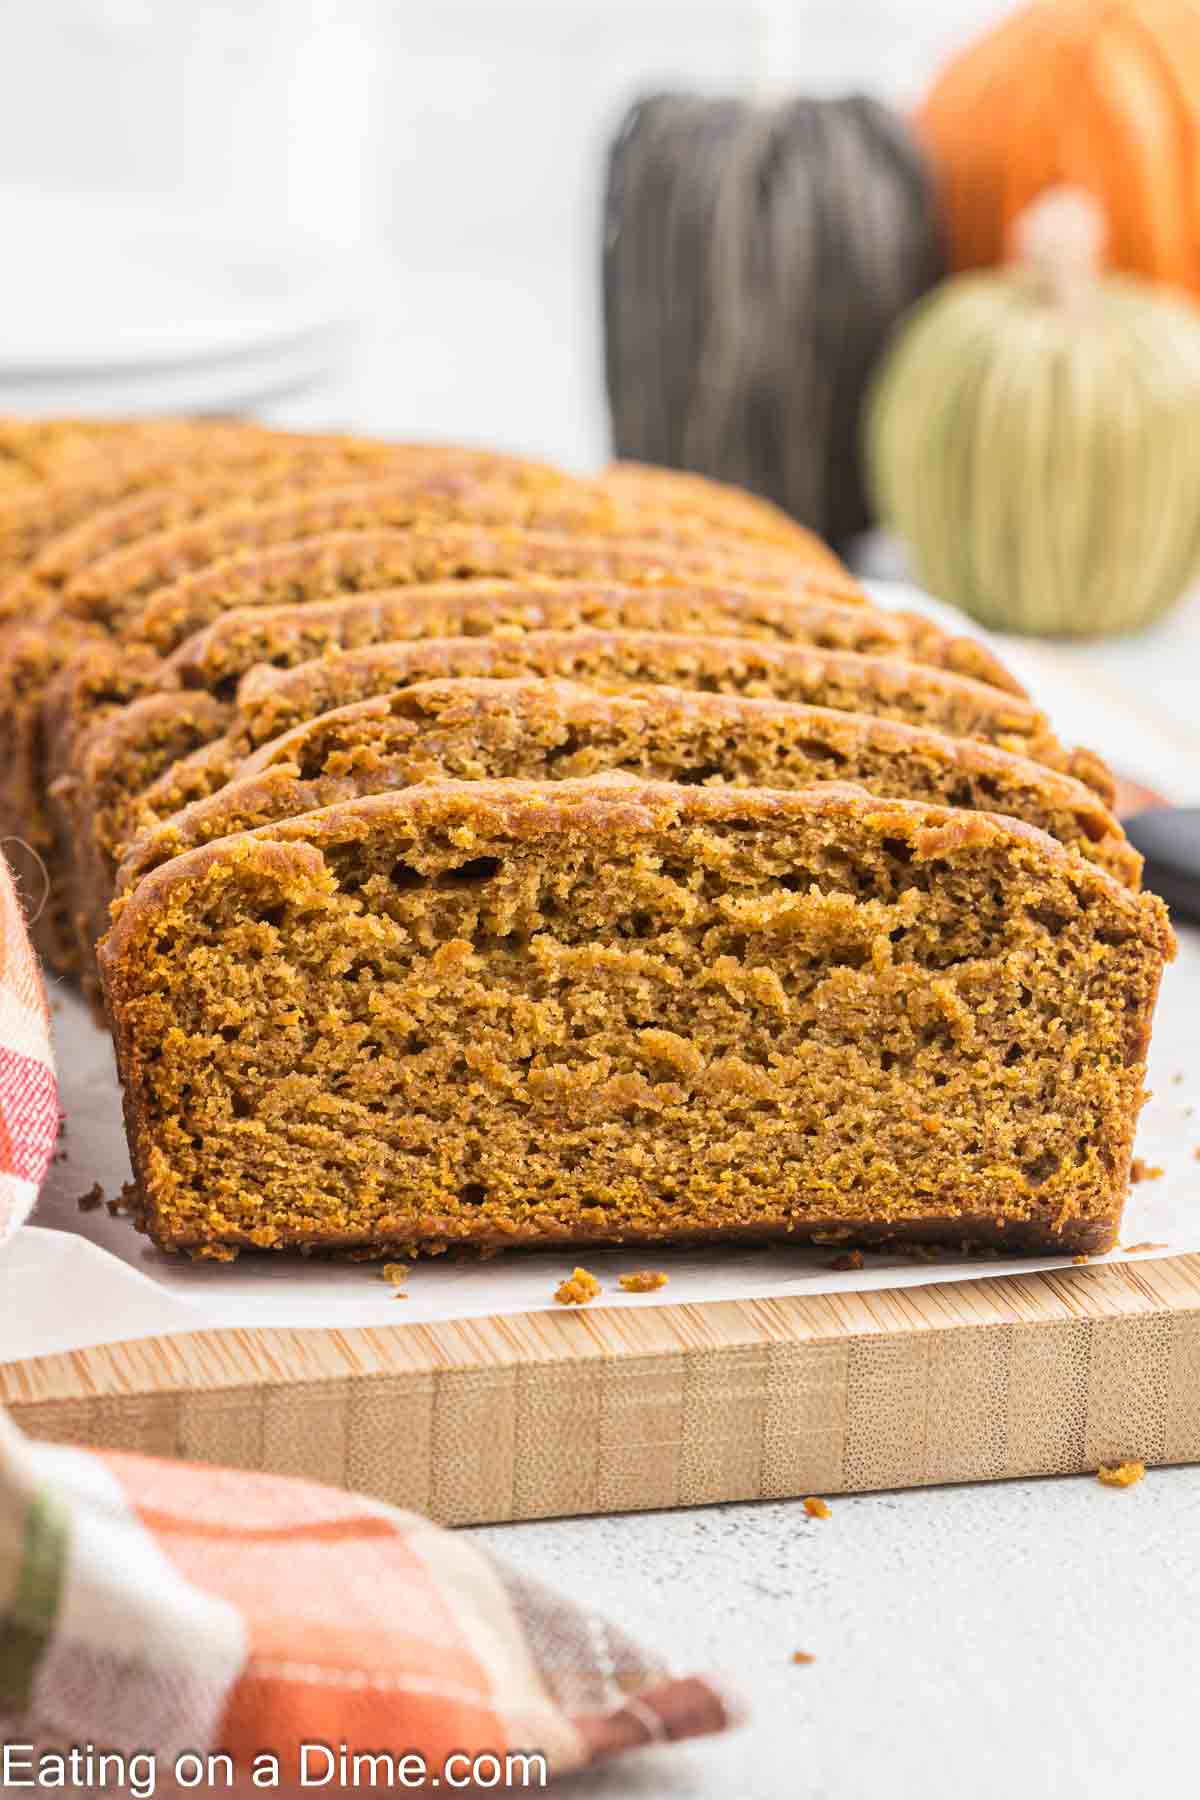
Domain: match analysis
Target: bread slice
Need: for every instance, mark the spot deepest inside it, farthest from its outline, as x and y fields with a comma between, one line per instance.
x=350, y=561
x=603, y=1011
x=536, y=729
x=114, y=674
x=99, y=682
x=155, y=756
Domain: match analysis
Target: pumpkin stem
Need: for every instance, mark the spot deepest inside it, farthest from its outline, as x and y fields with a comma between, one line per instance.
x=1058, y=241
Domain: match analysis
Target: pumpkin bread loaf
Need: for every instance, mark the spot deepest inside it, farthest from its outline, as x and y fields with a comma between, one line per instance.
x=542, y=729
x=473, y=885
x=149, y=759
x=611, y=1011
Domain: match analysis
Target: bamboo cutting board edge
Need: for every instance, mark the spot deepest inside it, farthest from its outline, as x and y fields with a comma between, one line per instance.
x=546, y=1414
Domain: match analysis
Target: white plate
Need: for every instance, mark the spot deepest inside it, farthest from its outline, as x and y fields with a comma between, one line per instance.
x=104, y=283
x=233, y=385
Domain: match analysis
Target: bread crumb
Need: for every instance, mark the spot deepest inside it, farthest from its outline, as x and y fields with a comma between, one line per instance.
x=125, y=1205
x=1120, y=1475
x=92, y=1200
x=1082, y=1257
x=803, y=1656
x=853, y=1259
x=1132, y=1249
x=815, y=1508
x=396, y=1273
x=578, y=1289
x=1177, y=1080
x=1141, y=1170
x=643, y=1281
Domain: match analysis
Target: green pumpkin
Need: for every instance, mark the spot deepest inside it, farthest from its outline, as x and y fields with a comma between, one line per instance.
x=1033, y=437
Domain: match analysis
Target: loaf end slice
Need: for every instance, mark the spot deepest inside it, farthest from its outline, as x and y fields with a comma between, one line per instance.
x=609, y=1011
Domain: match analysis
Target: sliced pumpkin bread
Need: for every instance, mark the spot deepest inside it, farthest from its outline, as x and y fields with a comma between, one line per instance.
x=542, y=729
x=607, y=1011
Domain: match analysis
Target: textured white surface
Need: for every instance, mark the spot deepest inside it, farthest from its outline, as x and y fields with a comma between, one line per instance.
x=1012, y=1642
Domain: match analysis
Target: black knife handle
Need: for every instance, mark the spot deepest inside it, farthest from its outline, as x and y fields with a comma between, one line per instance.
x=1169, y=839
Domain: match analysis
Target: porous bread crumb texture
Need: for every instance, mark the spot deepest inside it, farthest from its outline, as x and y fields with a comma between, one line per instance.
x=614, y=1012
x=534, y=729
x=160, y=753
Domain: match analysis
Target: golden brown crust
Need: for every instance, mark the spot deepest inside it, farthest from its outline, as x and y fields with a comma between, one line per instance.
x=613, y=803
x=100, y=679
x=119, y=784
x=540, y=729
x=346, y=561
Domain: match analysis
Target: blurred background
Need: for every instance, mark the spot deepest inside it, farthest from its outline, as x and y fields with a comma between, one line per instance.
x=387, y=215
x=392, y=218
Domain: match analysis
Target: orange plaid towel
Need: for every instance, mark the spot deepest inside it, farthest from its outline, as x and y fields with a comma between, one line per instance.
x=28, y=1096
x=164, y=1626
x=178, y=1614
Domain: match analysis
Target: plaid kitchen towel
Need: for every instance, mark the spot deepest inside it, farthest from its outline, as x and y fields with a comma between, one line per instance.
x=155, y=1615
x=28, y=1097
x=180, y=1614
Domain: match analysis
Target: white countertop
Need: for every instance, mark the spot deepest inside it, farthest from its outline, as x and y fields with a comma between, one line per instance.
x=1034, y=1638
x=1024, y=1638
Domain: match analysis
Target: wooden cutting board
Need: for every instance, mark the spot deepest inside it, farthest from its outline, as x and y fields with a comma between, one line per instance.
x=541, y=1414
x=544, y=1414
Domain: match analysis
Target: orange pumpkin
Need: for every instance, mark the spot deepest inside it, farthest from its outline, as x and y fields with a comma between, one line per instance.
x=1096, y=94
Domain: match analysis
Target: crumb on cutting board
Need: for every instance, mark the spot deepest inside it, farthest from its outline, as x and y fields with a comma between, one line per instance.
x=1120, y=1475
x=579, y=1288
x=1082, y=1257
x=1133, y=1249
x=816, y=1508
x=1140, y=1170
x=851, y=1259
x=643, y=1281
x=92, y=1201
x=803, y=1656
